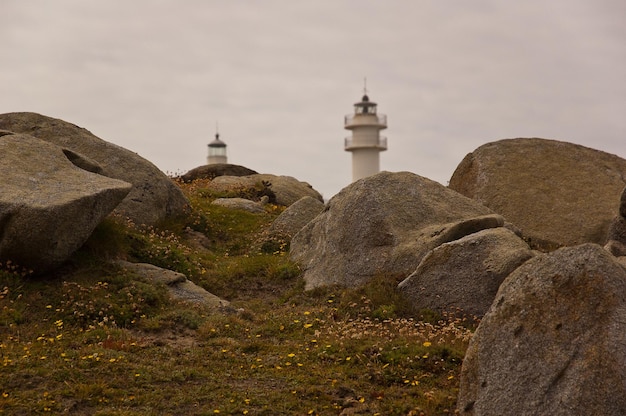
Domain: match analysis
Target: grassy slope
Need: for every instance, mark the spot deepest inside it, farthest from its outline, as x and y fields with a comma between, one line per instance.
x=91, y=339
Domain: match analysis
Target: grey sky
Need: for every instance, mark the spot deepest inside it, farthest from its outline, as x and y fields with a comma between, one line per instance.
x=155, y=76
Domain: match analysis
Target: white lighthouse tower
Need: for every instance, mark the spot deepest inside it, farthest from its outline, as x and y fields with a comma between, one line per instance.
x=366, y=142
x=217, y=151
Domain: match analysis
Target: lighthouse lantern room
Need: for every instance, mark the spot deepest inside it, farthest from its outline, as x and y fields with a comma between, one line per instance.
x=217, y=151
x=365, y=144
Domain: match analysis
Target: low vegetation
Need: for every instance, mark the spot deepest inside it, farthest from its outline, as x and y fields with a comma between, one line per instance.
x=91, y=339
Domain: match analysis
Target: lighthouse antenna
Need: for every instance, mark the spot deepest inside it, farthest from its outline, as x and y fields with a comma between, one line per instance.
x=364, y=85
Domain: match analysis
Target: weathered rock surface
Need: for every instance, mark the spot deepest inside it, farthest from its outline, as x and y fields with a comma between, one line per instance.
x=153, y=196
x=286, y=189
x=215, y=170
x=240, y=203
x=294, y=218
x=178, y=285
x=465, y=274
x=554, y=340
x=384, y=223
x=48, y=205
x=557, y=193
x=616, y=235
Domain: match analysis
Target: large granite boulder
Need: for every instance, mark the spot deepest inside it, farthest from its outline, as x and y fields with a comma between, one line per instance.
x=153, y=196
x=384, y=223
x=557, y=193
x=295, y=217
x=48, y=205
x=553, y=341
x=214, y=170
x=463, y=276
x=284, y=190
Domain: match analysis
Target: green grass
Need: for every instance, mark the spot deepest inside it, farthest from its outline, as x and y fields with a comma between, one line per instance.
x=91, y=339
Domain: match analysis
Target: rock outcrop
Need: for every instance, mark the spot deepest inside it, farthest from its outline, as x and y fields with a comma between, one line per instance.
x=554, y=340
x=153, y=196
x=285, y=190
x=557, y=193
x=464, y=275
x=48, y=205
x=385, y=223
x=215, y=170
x=179, y=287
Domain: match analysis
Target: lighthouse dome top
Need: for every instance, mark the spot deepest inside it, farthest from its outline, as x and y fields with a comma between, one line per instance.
x=365, y=102
x=217, y=142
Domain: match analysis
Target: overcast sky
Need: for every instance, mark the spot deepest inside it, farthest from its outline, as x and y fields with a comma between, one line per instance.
x=155, y=76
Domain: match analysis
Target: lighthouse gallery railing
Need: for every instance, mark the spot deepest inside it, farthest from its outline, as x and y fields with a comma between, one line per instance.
x=380, y=119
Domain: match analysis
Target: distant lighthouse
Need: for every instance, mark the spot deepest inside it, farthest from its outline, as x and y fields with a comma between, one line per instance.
x=366, y=142
x=217, y=151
